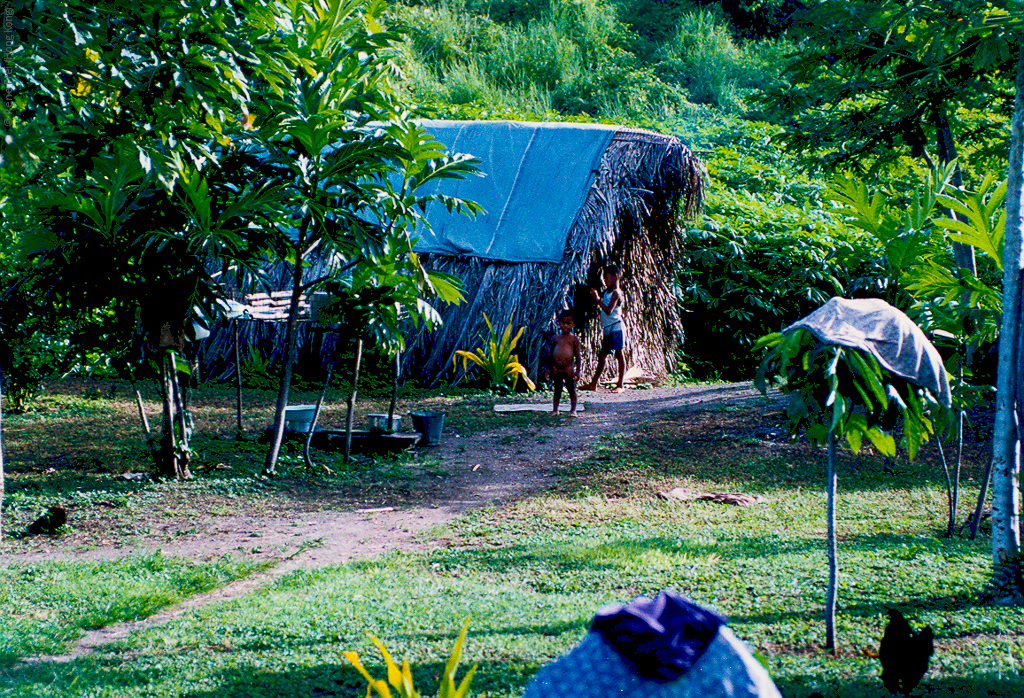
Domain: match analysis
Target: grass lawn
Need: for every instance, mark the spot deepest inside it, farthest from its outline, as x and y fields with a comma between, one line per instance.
x=531, y=575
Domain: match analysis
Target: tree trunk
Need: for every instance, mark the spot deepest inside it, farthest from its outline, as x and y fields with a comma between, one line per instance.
x=167, y=464
x=1, y=452
x=833, y=556
x=394, y=390
x=316, y=416
x=291, y=342
x=183, y=456
x=1006, y=440
x=350, y=415
x=950, y=496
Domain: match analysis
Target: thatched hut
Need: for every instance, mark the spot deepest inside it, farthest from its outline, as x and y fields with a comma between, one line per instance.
x=634, y=188
x=562, y=201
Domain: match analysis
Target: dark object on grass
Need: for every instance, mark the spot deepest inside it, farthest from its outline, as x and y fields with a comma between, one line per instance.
x=54, y=518
x=661, y=647
x=904, y=654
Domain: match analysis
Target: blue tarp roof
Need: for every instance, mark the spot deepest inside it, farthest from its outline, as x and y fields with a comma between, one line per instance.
x=536, y=178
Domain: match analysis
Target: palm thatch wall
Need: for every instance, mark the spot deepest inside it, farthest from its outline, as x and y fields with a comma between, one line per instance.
x=265, y=337
x=645, y=184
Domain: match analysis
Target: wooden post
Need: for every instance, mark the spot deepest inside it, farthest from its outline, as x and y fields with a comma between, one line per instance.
x=238, y=381
x=394, y=390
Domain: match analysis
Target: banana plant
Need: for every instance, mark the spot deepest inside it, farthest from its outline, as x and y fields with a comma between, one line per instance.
x=495, y=358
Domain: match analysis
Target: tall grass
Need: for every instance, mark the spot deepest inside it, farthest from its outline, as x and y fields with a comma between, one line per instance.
x=628, y=62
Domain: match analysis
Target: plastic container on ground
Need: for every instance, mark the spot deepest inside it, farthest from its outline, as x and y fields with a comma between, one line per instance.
x=299, y=417
x=378, y=422
x=430, y=424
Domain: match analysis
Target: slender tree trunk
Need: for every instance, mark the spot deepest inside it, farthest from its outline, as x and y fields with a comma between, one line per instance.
x=316, y=416
x=950, y=490
x=1006, y=439
x=350, y=414
x=833, y=557
x=1, y=452
x=983, y=493
x=291, y=342
x=168, y=457
x=182, y=459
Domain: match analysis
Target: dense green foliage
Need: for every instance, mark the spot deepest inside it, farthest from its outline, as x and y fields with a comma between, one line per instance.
x=767, y=252
x=769, y=249
x=612, y=60
x=872, y=81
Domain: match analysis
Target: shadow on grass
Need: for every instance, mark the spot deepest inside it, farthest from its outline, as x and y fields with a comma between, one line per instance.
x=579, y=552
x=979, y=686
x=246, y=676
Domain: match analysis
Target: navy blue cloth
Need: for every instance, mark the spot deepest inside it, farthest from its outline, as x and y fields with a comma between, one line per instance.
x=662, y=636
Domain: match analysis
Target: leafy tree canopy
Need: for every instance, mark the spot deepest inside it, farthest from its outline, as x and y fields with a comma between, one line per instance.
x=872, y=80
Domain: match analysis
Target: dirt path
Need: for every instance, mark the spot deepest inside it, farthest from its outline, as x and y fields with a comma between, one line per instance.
x=483, y=468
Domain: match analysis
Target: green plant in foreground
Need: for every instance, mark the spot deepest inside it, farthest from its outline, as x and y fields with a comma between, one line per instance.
x=495, y=358
x=401, y=679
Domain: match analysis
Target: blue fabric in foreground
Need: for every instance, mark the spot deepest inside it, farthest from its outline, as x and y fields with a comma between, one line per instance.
x=662, y=637
x=537, y=176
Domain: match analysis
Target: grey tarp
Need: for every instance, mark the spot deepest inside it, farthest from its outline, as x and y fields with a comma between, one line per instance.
x=886, y=333
x=537, y=177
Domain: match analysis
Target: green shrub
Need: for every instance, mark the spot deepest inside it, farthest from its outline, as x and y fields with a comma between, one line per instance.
x=767, y=252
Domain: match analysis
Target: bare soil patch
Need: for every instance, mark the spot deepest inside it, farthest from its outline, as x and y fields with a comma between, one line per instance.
x=313, y=523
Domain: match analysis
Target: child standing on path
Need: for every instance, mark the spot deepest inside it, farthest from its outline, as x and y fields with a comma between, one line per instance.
x=610, y=304
x=566, y=354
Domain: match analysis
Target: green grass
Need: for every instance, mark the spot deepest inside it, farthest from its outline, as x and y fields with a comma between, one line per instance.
x=531, y=575
x=45, y=607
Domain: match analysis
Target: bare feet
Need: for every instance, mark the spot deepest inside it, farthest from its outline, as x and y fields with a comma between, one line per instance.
x=620, y=389
x=553, y=413
x=572, y=413
x=592, y=387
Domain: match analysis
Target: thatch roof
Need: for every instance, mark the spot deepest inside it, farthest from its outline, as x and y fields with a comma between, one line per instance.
x=644, y=184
